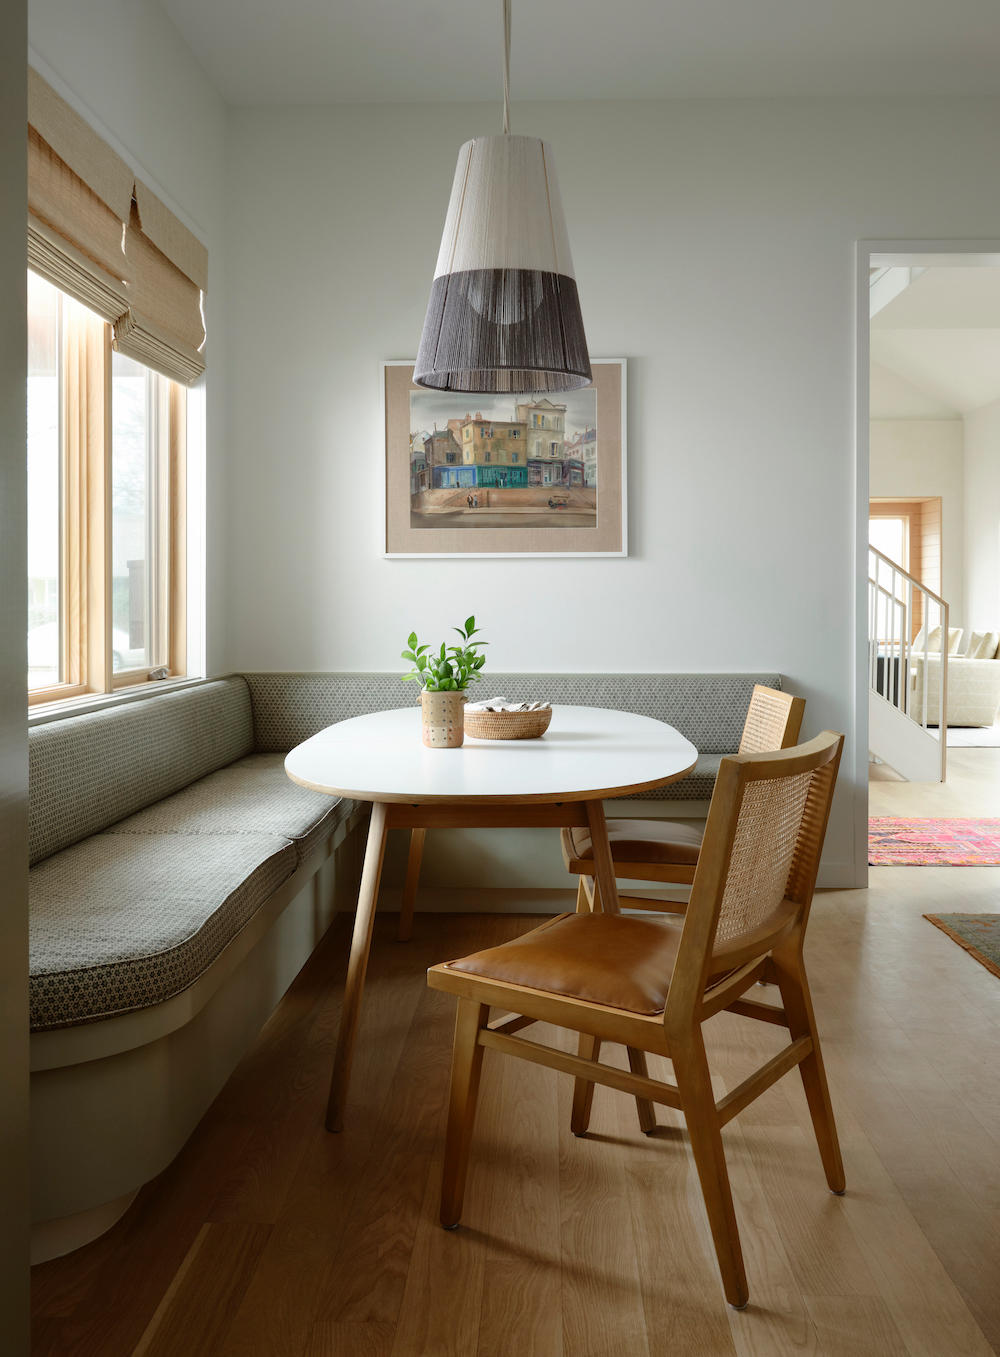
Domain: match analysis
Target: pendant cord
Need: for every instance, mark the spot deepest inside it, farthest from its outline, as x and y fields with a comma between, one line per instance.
x=506, y=67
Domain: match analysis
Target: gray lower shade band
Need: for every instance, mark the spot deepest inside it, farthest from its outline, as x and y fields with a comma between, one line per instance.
x=504, y=330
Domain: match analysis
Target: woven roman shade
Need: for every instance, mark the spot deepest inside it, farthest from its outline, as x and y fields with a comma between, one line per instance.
x=169, y=271
x=79, y=193
x=104, y=237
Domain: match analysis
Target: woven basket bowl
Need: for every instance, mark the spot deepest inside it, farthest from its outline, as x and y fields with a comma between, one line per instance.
x=507, y=725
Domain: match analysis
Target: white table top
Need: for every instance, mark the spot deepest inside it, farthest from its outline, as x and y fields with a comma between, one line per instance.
x=586, y=753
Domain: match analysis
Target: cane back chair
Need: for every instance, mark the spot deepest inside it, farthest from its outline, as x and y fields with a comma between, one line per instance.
x=666, y=851
x=650, y=984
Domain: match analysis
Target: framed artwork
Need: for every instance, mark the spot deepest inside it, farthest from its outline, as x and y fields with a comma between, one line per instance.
x=505, y=475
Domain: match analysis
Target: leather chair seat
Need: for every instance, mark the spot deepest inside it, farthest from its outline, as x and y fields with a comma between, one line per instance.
x=609, y=959
x=667, y=842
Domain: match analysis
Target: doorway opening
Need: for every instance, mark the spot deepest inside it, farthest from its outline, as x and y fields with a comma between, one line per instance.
x=931, y=424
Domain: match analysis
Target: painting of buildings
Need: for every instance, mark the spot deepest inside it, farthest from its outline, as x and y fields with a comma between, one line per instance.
x=513, y=461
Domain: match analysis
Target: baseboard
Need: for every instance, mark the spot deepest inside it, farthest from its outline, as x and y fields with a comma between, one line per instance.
x=840, y=876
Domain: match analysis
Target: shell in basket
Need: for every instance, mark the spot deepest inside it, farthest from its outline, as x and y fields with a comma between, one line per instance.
x=507, y=725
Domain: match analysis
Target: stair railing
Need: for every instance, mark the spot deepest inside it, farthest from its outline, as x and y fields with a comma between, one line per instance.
x=894, y=664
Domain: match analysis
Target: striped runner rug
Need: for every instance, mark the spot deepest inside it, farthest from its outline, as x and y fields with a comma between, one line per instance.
x=897, y=842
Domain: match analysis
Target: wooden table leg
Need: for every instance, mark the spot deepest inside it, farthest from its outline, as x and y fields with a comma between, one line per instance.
x=364, y=922
x=606, y=898
x=606, y=893
x=413, y=861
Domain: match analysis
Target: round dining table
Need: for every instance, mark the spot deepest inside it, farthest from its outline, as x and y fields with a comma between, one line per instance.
x=587, y=755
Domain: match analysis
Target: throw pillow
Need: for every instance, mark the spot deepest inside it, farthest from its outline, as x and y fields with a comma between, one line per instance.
x=987, y=648
x=955, y=635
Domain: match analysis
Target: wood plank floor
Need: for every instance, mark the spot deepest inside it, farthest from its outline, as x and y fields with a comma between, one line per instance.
x=269, y=1236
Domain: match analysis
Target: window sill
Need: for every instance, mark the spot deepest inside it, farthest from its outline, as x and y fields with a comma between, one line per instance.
x=45, y=712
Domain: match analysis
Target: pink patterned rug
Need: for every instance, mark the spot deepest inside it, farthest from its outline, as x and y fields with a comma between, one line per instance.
x=895, y=842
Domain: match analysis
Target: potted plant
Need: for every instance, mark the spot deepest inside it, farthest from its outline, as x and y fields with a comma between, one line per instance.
x=445, y=675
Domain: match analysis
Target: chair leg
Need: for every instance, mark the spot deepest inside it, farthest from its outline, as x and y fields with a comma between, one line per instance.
x=466, y=1067
x=698, y=1104
x=581, y=898
x=645, y=1109
x=588, y=1048
x=413, y=860
x=797, y=1001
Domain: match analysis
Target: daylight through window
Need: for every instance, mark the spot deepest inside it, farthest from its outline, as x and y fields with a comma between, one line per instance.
x=106, y=540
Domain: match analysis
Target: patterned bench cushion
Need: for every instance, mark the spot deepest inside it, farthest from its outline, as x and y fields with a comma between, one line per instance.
x=697, y=786
x=709, y=709
x=254, y=795
x=123, y=921
x=87, y=772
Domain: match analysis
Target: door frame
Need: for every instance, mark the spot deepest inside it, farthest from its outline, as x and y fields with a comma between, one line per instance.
x=881, y=253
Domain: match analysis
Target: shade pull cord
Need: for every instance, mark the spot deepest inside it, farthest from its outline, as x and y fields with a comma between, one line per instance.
x=506, y=67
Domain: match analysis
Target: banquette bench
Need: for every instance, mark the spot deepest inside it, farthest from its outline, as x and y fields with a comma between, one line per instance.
x=179, y=880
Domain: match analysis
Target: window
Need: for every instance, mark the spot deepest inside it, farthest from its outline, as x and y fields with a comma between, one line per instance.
x=106, y=500
x=513, y=458
x=889, y=535
x=515, y=433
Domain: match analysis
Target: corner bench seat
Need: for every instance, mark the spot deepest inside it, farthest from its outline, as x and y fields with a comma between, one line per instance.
x=141, y=904
x=130, y=917
x=159, y=827
x=179, y=880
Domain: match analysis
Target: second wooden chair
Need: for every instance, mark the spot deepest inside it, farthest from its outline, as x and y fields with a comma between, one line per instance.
x=666, y=851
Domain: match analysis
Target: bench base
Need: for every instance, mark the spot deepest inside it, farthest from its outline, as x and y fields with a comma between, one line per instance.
x=112, y=1108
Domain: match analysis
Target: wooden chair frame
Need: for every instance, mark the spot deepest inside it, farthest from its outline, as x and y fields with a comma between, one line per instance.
x=683, y=874
x=707, y=978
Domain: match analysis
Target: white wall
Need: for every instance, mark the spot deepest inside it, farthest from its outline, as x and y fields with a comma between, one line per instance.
x=125, y=67
x=915, y=457
x=13, y=717
x=714, y=247
x=982, y=517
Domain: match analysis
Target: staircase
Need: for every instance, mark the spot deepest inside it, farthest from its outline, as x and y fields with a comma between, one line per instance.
x=900, y=722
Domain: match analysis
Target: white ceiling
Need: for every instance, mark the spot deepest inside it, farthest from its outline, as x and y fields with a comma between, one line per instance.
x=940, y=338
x=321, y=51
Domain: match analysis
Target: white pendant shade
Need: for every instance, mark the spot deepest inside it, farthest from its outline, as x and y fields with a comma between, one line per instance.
x=504, y=314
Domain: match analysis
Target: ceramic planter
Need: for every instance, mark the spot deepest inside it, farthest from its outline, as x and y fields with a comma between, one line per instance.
x=443, y=717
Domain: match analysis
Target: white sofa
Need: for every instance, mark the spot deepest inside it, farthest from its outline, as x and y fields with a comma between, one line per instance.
x=973, y=689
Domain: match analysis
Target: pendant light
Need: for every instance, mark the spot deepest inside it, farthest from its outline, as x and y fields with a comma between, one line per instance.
x=504, y=315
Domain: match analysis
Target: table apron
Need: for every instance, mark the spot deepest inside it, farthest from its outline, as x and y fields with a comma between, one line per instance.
x=456, y=815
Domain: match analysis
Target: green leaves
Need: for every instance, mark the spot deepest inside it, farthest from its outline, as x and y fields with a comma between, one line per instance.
x=450, y=668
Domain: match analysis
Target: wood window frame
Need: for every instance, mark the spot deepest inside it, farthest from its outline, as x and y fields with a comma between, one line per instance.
x=922, y=515
x=86, y=612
